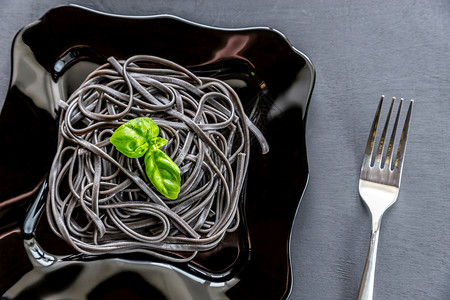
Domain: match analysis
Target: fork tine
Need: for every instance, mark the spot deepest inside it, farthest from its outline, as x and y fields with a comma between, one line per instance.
x=402, y=144
x=369, y=147
x=394, y=131
x=378, y=158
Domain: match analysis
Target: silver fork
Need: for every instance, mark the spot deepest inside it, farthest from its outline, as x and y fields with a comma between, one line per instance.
x=379, y=184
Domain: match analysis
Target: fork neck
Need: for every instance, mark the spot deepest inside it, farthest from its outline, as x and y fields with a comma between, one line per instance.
x=378, y=198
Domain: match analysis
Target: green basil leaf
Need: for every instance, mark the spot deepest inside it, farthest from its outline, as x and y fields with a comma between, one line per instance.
x=144, y=126
x=157, y=142
x=140, y=136
x=132, y=138
x=163, y=173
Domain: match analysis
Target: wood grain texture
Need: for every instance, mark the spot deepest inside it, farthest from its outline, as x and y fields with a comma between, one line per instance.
x=361, y=49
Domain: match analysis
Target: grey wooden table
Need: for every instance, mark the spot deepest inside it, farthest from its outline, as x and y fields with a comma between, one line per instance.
x=361, y=49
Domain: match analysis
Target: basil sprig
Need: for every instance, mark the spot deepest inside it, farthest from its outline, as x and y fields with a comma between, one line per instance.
x=139, y=137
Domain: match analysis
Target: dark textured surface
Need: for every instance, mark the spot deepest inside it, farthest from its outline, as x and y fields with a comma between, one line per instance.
x=361, y=49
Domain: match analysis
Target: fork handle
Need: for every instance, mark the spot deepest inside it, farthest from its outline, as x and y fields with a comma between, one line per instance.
x=367, y=281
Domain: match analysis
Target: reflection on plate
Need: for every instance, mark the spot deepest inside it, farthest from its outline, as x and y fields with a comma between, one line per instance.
x=50, y=59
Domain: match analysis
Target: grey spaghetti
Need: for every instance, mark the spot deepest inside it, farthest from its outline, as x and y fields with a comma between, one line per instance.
x=100, y=201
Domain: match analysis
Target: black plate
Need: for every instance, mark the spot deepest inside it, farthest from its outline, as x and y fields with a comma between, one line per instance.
x=53, y=55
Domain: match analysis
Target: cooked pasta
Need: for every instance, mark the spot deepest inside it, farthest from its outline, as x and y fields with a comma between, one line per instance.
x=101, y=201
